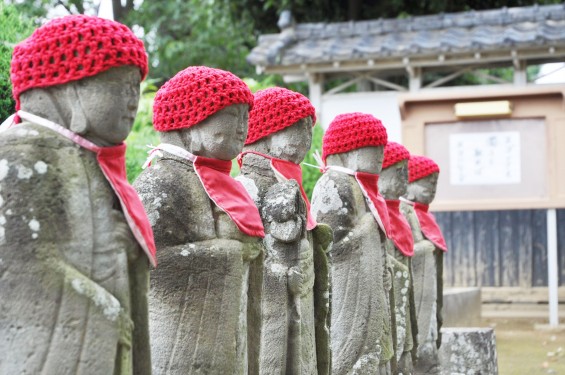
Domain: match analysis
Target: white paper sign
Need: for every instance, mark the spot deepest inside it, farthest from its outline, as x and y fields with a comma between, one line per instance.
x=485, y=158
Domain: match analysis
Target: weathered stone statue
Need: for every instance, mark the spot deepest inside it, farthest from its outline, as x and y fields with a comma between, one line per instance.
x=347, y=199
x=73, y=276
x=207, y=228
x=393, y=183
x=292, y=280
x=427, y=262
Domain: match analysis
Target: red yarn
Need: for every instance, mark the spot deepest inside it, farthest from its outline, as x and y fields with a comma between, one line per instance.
x=420, y=167
x=71, y=48
x=351, y=131
x=394, y=153
x=275, y=109
x=194, y=94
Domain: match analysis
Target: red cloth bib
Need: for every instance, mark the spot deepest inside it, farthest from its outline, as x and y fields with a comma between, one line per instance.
x=368, y=182
x=288, y=171
x=401, y=234
x=429, y=226
x=229, y=195
x=113, y=164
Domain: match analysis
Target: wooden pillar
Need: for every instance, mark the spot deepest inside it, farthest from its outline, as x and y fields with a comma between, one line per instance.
x=315, y=91
x=415, y=76
x=520, y=76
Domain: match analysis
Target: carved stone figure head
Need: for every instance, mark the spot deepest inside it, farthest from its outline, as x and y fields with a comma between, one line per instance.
x=204, y=111
x=83, y=73
x=423, y=175
x=355, y=141
x=393, y=180
x=280, y=124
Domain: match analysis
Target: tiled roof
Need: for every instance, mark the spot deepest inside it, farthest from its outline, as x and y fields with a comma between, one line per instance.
x=473, y=31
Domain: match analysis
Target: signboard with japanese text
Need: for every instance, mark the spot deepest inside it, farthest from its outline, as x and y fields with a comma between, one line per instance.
x=491, y=158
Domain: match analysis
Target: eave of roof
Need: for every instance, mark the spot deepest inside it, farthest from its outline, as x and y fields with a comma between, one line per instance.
x=536, y=32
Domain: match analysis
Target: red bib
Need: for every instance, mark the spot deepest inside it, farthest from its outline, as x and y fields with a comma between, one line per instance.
x=113, y=164
x=401, y=234
x=368, y=182
x=287, y=170
x=228, y=194
x=429, y=226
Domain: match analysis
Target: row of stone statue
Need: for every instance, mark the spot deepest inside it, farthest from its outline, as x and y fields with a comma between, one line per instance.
x=252, y=279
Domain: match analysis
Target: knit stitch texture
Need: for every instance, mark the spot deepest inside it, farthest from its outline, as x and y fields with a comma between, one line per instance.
x=351, y=131
x=275, y=109
x=394, y=153
x=420, y=167
x=71, y=48
x=194, y=94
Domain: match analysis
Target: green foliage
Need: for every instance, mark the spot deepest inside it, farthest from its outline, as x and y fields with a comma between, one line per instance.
x=142, y=133
x=310, y=174
x=14, y=29
x=194, y=32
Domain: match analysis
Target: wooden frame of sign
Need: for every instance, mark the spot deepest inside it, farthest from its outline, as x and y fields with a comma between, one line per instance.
x=502, y=152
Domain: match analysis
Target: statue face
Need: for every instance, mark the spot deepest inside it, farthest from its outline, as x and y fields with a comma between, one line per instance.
x=293, y=142
x=423, y=190
x=393, y=181
x=221, y=135
x=109, y=103
x=364, y=159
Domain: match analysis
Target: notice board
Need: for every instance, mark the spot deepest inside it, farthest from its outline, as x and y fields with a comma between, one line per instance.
x=491, y=163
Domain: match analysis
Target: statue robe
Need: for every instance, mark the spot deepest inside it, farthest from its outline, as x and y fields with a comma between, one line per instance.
x=427, y=270
x=361, y=336
x=402, y=308
x=73, y=280
x=292, y=281
x=198, y=300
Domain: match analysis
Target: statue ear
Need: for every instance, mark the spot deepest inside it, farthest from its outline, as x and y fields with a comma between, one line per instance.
x=79, y=122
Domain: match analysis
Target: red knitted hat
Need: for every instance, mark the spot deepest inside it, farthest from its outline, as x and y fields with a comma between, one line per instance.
x=71, y=48
x=275, y=109
x=394, y=153
x=351, y=131
x=420, y=167
x=194, y=94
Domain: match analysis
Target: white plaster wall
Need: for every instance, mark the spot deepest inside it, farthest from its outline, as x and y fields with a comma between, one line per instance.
x=382, y=105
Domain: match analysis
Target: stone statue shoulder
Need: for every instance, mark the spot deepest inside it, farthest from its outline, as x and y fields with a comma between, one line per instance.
x=42, y=175
x=27, y=133
x=334, y=202
x=177, y=205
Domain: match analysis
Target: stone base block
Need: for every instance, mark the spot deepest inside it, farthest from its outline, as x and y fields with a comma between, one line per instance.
x=468, y=351
x=461, y=307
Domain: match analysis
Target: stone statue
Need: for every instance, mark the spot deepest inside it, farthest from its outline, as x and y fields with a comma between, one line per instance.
x=73, y=276
x=427, y=262
x=393, y=183
x=346, y=198
x=207, y=228
x=292, y=280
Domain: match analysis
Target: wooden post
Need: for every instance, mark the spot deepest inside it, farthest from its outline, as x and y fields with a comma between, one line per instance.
x=315, y=91
x=552, y=277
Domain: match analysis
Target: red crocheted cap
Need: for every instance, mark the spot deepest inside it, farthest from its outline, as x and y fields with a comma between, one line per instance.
x=394, y=153
x=194, y=94
x=71, y=48
x=351, y=131
x=420, y=167
x=275, y=109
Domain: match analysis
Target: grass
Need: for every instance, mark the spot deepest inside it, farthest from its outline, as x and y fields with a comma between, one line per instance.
x=522, y=350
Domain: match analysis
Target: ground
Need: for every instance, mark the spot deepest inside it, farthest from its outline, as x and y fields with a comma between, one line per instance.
x=523, y=350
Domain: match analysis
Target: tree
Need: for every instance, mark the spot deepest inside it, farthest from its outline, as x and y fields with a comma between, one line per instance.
x=220, y=33
x=14, y=29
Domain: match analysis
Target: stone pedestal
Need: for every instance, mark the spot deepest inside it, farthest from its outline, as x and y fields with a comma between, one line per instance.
x=468, y=351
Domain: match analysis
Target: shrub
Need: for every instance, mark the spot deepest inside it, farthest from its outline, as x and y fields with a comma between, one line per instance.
x=14, y=29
